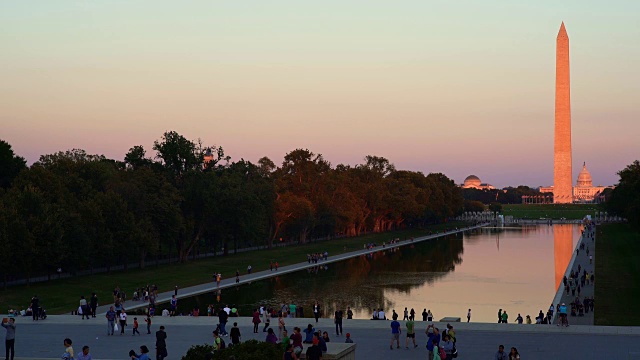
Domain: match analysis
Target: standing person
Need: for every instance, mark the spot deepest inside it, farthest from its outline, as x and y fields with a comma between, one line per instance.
x=123, y=321
x=175, y=291
x=338, y=321
x=237, y=276
x=405, y=315
x=500, y=354
x=111, y=320
x=84, y=355
x=10, y=338
x=285, y=340
x=94, y=304
x=276, y=266
x=235, y=334
x=218, y=279
x=308, y=334
x=296, y=341
x=429, y=315
x=412, y=315
x=249, y=269
x=469, y=315
x=424, y=315
x=135, y=326
x=255, y=320
x=280, y=325
x=349, y=313
x=68, y=350
x=148, y=321
x=292, y=310
x=173, y=305
x=500, y=316
x=316, y=311
x=161, y=344
x=447, y=345
x=395, y=334
x=505, y=317
x=411, y=333
x=35, y=307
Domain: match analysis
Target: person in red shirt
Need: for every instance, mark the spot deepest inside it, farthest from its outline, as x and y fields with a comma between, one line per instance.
x=135, y=326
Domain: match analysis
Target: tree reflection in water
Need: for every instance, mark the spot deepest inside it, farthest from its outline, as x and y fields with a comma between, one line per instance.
x=357, y=282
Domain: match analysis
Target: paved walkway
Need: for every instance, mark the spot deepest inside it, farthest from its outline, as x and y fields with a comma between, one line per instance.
x=261, y=275
x=43, y=339
x=579, y=258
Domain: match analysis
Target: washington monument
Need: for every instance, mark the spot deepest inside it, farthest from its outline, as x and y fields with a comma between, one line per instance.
x=562, y=184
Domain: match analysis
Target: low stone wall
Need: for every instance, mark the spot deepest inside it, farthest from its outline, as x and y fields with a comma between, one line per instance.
x=337, y=351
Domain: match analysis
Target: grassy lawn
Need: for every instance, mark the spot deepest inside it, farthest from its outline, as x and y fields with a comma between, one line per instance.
x=617, y=270
x=62, y=296
x=549, y=211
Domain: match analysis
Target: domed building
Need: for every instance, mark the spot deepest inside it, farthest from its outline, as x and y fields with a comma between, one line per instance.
x=584, y=191
x=473, y=182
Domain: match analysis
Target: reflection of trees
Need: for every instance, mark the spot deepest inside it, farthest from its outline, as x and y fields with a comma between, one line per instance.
x=357, y=282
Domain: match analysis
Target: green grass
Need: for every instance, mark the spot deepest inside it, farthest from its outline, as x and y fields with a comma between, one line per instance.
x=617, y=270
x=63, y=295
x=549, y=211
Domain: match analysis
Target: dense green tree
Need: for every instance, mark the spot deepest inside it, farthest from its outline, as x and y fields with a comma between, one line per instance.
x=10, y=164
x=625, y=198
x=79, y=211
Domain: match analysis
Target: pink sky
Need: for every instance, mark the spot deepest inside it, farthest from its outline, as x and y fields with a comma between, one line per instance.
x=454, y=88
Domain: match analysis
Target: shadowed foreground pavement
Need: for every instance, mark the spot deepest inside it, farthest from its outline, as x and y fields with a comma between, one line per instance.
x=43, y=340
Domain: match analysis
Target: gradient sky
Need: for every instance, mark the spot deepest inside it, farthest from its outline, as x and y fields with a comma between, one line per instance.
x=460, y=87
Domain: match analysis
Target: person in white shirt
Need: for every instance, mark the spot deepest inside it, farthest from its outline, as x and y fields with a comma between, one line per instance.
x=165, y=312
x=227, y=309
x=381, y=315
x=123, y=321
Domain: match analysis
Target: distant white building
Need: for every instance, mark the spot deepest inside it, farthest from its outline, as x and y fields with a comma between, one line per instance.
x=473, y=182
x=584, y=191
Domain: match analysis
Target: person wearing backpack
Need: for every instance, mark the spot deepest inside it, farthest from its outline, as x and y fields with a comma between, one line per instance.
x=218, y=342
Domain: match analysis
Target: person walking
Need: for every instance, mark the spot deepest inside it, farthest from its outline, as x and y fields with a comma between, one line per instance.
x=135, y=326
x=395, y=334
x=84, y=309
x=411, y=333
x=123, y=321
x=10, y=338
x=281, y=326
x=469, y=315
x=161, y=344
x=338, y=321
x=266, y=319
x=111, y=320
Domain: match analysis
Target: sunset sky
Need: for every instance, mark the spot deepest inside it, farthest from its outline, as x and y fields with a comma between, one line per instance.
x=460, y=87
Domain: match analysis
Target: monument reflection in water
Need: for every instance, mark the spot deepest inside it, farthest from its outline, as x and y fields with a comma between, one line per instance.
x=508, y=268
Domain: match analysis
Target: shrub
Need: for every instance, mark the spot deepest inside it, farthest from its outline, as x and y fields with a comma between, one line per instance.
x=198, y=352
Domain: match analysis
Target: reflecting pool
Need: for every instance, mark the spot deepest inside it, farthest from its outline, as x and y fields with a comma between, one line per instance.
x=516, y=269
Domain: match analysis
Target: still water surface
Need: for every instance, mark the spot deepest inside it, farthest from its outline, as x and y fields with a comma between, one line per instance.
x=516, y=269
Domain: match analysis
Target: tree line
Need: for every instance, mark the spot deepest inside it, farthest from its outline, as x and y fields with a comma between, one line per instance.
x=625, y=198
x=78, y=211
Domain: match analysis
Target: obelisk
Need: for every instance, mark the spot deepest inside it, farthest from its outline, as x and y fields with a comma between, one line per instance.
x=562, y=183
